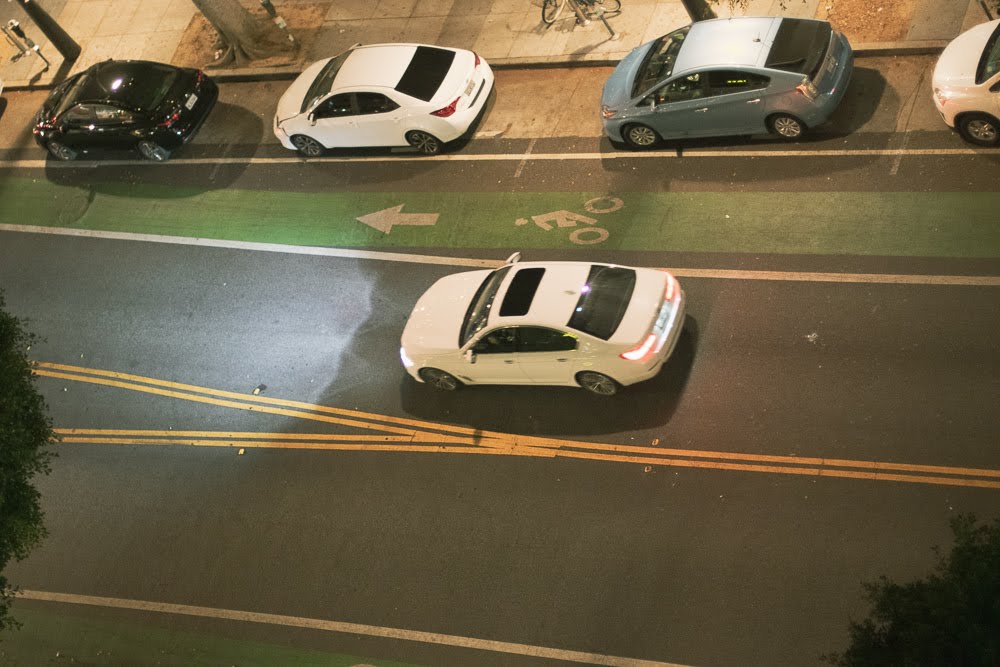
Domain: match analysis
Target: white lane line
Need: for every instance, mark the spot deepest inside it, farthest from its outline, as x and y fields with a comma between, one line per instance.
x=505, y=157
x=440, y=260
x=509, y=648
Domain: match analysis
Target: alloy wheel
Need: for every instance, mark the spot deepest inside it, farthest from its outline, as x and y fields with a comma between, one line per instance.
x=440, y=379
x=641, y=136
x=61, y=151
x=425, y=143
x=307, y=145
x=153, y=151
x=787, y=127
x=598, y=383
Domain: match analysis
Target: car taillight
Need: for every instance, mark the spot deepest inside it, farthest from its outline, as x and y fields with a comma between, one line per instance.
x=807, y=89
x=641, y=351
x=171, y=119
x=199, y=77
x=668, y=294
x=446, y=111
x=476, y=55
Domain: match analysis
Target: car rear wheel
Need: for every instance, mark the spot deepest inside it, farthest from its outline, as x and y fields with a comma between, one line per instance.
x=307, y=146
x=640, y=136
x=980, y=129
x=61, y=151
x=786, y=126
x=424, y=142
x=597, y=383
x=440, y=379
x=153, y=151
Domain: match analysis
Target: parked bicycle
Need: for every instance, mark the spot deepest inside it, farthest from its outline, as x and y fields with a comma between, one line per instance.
x=585, y=9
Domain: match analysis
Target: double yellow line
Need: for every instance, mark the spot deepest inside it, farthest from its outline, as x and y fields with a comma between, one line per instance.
x=396, y=434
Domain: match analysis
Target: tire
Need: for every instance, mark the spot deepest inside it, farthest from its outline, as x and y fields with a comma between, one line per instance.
x=597, y=383
x=612, y=8
x=61, y=151
x=424, y=142
x=153, y=151
x=786, y=126
x=551, y=9
x=307, y=146
x=639, y=137
x=979, y=129
x=440, y=379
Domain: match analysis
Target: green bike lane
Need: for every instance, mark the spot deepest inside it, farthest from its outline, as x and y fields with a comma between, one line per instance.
x=901, y=224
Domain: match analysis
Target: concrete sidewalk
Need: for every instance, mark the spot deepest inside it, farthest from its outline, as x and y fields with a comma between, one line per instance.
x=505, y=32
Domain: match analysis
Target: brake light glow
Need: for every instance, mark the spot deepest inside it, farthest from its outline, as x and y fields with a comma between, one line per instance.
x=173, y=118
x=448, y=110
x=477, y=58
x=199, y=77
x=668, y=295
x=640, y=352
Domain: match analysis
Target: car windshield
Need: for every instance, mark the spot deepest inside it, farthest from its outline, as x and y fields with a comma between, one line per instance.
x=479, y=309
x=323, y=83
x=989, y=64
x=64, y=96
x=659, y=62
x=603, y=300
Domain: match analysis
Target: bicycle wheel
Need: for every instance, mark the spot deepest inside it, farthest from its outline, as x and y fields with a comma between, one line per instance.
x=611, y=8
x=551, y=10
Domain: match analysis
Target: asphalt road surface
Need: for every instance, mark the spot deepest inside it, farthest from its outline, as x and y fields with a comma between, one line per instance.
x=239, y=433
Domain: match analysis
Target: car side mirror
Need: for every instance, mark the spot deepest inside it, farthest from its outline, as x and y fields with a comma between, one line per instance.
x=470, y=356
x=312, y=117
x=652, y=103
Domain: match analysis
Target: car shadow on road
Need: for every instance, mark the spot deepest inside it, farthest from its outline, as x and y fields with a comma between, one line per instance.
x=560, y=411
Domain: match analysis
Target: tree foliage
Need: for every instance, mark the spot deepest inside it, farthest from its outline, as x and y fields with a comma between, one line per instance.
x=242, y=37
x=951, y=617
x=26, y=437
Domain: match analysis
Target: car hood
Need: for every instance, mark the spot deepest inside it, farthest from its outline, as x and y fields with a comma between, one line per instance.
x=290, y=104
x=618, y=87
x=957, y=65
x=436, y=320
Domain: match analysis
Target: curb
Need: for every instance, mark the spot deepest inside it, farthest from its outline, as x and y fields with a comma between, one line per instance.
x=249, y=74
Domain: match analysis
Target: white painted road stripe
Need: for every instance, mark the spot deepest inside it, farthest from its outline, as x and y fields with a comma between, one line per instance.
x=509, y=648
x=507, y=157
x=353, y=253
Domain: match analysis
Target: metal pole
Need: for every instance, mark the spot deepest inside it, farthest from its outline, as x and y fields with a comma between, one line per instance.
x=64, y=44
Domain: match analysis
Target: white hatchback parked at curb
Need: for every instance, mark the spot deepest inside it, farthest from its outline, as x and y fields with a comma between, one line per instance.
x=384, y=95
x=966, y=84
x=597, y=326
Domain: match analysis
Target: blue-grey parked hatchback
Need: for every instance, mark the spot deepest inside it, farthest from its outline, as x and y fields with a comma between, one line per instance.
x=743, y=75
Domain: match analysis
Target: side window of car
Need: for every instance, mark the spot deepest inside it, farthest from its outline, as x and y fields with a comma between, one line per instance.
x=498, y=341
x=540, y=339
x=81, y=114
x=369, y=103
x=688, y=87
x=335, y=107
x=105, y=114
x=723, y=82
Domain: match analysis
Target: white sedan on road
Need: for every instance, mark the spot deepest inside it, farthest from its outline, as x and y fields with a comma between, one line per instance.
x=597, y=326
x=384, y=95
x=966, y=84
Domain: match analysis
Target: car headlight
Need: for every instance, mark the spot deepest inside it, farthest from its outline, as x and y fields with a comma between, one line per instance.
x=607, y=112
x=407, y=362
x=941, y=96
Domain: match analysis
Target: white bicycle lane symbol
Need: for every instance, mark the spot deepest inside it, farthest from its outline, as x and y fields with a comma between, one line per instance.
x=581, y=235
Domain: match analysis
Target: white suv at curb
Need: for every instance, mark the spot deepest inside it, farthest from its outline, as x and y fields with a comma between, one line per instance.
x=597, y=326
x=966, y=84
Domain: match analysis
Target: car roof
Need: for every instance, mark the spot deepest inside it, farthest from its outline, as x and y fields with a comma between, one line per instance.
x=376, y=65
x=741, y=41
x=555, y=298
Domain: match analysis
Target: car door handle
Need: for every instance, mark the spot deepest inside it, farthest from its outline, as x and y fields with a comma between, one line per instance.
x=701, y=110
x=563, y=359
x=508, y=361
x=756, y=101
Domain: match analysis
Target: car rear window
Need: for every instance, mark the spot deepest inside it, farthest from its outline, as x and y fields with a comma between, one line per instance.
x=989, y=63
x=799, y=46
x=524, y=284
x=139, y=86
x=479, y=308
x=424, y=74
x=603, y=301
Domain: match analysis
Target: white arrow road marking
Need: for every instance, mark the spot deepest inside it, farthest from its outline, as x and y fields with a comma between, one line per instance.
x=384, y=220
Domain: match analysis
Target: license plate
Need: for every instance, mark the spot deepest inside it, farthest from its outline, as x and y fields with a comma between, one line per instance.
x=191, y=101
x=468, y=88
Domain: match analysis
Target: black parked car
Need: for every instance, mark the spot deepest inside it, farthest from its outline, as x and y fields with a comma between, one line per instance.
x=125, y=104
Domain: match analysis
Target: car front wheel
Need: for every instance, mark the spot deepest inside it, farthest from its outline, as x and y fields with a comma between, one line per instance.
x=980, y=129
x=61, y=151
x=307, y=146
x=597, y=383
x=153, y=151
x=424, y=142
x=786, y=126
x=640, y=136
x=440, y=379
